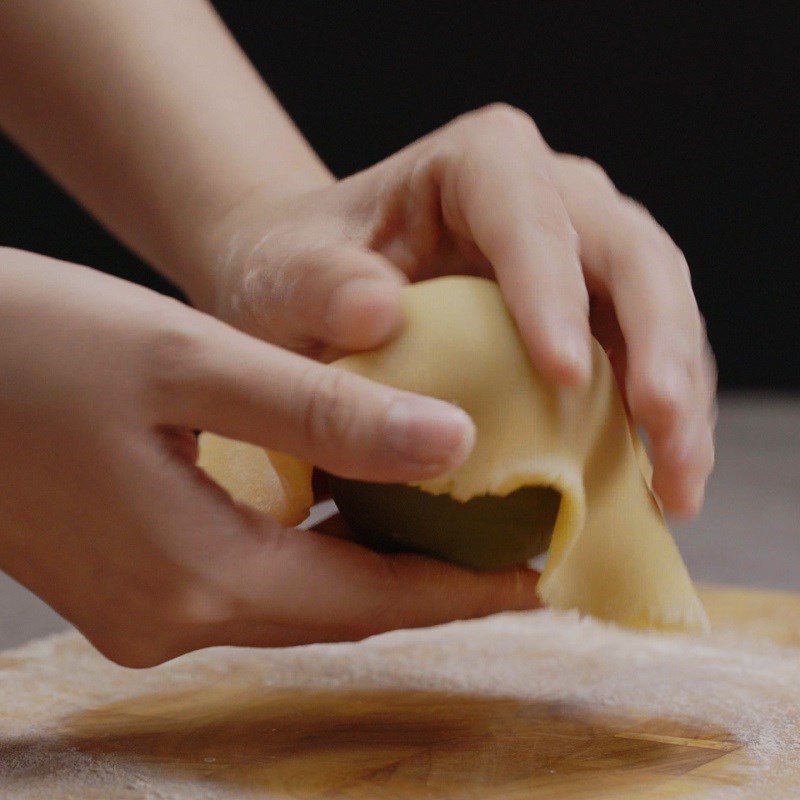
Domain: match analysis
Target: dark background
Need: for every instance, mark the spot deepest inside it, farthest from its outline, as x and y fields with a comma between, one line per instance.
x=690, y=109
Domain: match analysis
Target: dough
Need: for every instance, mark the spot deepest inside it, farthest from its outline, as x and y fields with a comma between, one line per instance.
x=272, y=483
x=611, y=554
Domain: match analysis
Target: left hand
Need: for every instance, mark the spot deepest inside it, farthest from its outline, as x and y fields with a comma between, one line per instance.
x=486, y=195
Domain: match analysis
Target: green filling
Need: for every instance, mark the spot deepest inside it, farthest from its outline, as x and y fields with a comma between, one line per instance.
x=485, y=533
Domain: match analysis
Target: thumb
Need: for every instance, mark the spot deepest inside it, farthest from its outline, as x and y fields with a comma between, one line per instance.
x=337, y=297
x=232, y=384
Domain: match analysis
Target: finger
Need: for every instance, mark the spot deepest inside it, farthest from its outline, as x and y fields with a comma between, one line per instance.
x=683, y=463
x=337, y=297
x=688, y=455
x=660, y=323
x=228, y=575
x=500, y=196
x=628, y=256
x=299, y=587
x=212, y=377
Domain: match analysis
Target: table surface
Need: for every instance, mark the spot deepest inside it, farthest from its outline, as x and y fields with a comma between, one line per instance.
x=513, y=707
x=748, y=533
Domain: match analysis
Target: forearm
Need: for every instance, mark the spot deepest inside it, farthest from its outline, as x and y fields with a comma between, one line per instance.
x=151, y=116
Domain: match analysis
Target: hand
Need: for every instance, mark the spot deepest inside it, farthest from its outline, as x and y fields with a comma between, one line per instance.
x=104, y=514
x=486, y=195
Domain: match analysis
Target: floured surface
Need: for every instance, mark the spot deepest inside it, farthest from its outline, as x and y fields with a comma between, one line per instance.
x=516, y=706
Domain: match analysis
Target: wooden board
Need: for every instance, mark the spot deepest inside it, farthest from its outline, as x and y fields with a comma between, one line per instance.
x=399, y=745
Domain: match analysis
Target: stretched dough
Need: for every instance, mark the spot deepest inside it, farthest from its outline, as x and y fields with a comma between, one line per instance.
x=611, y=554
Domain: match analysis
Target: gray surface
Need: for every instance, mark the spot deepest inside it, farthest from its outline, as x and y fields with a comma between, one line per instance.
x=748, y=533
x=749, y=530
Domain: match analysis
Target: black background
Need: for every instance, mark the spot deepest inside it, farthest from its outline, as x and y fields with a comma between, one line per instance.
x=691, y=109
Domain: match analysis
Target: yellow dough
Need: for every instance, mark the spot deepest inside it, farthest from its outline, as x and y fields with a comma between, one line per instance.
x=611, y=554
x=273, y=483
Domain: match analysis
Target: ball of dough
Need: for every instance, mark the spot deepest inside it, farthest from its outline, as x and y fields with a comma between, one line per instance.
x=611, y=554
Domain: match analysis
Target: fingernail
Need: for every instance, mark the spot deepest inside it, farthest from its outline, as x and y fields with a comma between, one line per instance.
x=429, y=433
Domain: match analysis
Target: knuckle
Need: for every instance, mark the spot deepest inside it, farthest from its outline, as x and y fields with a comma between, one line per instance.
x=173, y=354
x=387, y=613
x=656, y=400
x=594, y=174
x=505, y=113
x=329, y=414
x=693, y=330
x=642, y=220
x=673, y=256
x=504, y=117
x=649, y=235
x=702, y=327
x=708, y=364
x=679, y=258
x=313, y=290
x=554, y=224
x=634, y=208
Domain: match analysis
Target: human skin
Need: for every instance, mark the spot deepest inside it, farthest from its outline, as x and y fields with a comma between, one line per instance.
x=104, y=514
x=152, y=118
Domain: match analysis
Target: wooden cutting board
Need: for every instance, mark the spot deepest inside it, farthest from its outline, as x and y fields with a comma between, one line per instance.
x=399, y=744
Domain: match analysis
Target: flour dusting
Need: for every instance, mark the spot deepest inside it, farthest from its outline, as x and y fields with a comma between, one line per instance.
x=748, y=688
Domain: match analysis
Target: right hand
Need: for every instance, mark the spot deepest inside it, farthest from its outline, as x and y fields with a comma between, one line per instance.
x=484, y=195
x=105, y=516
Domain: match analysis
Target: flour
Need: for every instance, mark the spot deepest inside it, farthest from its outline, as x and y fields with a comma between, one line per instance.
x=748, y=689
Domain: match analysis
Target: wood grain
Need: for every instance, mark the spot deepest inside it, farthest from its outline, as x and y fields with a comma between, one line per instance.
x=236, y=736
x=399, y=745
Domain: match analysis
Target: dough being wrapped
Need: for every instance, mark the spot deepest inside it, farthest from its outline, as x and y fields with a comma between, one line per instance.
x=611, y=554
x=272, y=483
